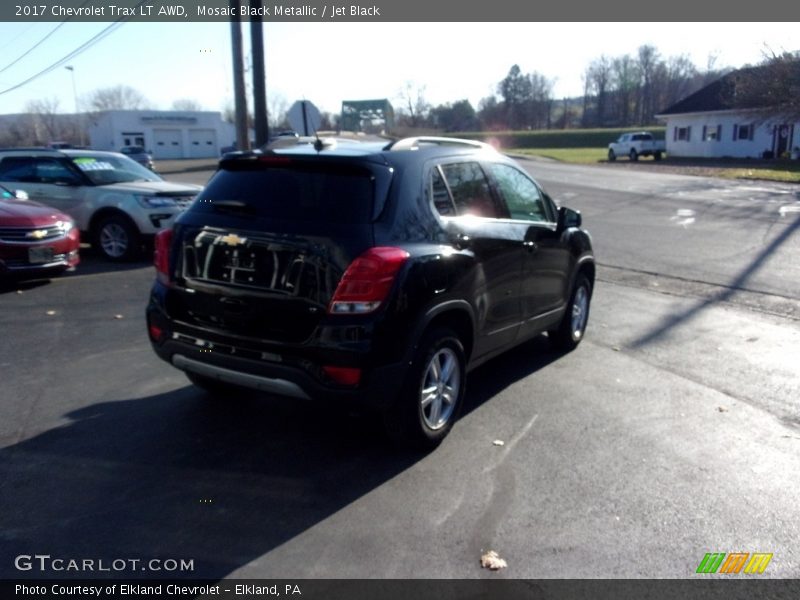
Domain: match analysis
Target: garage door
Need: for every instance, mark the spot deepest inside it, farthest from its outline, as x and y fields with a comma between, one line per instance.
x=203, y=143
x=168, y=143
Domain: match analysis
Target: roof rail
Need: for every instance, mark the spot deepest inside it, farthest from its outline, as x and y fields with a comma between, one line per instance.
x=414, y=143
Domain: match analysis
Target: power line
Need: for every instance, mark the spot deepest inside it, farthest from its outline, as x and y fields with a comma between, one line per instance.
x=10, y=41
x=32, y=48
x=80, y=49
x=40, y=42
x=67, y=58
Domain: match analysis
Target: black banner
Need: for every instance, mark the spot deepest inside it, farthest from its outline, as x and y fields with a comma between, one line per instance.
x=186, y=11
x=376, y=589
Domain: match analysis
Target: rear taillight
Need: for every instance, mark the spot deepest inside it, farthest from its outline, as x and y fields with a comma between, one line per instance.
x=156, y=333
x=161, y=255
x=367, y=281
x=343, y=375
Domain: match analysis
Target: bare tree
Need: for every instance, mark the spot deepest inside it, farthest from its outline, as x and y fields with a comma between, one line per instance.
x=187, y=104
x=772, y=88
x=625, y=80
x=277, y=107
x=18, y=130
x=598, y=82
x=680, y=73
x=648, y=65
x=45, y=120
x=415, y=106
x=120, y=97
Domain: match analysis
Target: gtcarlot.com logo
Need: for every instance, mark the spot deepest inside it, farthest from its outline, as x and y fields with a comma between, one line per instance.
x=736, y=562
x=46, y=563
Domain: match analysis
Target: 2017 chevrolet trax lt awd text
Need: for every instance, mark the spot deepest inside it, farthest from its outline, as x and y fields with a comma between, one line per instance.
x=368, y=272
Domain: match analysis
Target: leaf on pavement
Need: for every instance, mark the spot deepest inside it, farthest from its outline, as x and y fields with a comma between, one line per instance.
x=491, y=560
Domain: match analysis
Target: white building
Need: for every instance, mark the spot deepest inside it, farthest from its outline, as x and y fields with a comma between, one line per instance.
x=166, y=134
x=705, y=124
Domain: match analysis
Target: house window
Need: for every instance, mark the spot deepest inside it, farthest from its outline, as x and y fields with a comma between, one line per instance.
x=682, y=134
x=712, y=133
x=743, y=132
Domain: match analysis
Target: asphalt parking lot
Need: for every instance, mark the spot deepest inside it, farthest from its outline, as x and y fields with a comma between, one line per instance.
x=672, y=431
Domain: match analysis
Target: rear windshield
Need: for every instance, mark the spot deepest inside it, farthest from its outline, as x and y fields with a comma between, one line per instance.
x=329, y=193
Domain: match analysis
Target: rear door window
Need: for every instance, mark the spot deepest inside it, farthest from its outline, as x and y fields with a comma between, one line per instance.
x=49, y=170
x=469, y=189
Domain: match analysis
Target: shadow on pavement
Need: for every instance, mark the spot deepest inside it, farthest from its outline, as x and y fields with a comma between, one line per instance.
x=178, y=475
x=738, y=283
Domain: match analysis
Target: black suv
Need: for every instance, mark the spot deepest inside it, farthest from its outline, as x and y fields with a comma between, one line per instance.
x=368, y=272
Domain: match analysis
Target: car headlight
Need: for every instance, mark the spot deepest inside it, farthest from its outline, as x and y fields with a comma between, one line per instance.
x=155, y=201
x=65, y=226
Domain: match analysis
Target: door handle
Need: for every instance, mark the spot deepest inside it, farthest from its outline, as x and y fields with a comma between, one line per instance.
x=530, y=246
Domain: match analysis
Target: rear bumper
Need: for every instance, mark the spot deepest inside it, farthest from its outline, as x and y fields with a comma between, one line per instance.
x=292, y=375
x=272, y=385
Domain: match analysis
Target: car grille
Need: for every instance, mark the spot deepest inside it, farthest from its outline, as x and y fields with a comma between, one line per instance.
x=30, y=235
x=18, y=263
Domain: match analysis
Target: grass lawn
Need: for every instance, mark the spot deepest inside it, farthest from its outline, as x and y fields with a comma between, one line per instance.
x=570, y=155
x=772, y=170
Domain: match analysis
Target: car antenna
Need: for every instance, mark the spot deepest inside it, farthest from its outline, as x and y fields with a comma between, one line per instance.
x=318, y=145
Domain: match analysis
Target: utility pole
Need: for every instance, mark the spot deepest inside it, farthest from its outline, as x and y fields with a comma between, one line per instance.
x=259, y=74
x=78, y=118
x=239, y=98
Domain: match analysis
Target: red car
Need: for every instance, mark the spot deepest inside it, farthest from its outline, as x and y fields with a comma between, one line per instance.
x=35, y=238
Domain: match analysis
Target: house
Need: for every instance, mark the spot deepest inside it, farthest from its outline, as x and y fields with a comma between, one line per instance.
x=708, y=124
x=167, y=134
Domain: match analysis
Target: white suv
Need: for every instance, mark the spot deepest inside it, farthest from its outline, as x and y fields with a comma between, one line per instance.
x=116, y=202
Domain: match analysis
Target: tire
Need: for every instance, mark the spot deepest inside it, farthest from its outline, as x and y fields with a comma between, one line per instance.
x=633, y=154
x=572, y=328
x=118, y=239
x=433, y=393
x=611, y=156
x=657, y=156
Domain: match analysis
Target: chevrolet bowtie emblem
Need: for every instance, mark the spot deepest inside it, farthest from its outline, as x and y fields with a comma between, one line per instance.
x=36, y=234
x=232, y=240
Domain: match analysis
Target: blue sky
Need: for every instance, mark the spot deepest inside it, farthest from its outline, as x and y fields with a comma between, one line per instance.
x=330, y=62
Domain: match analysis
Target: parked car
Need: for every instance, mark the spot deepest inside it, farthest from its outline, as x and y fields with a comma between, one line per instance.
x=290, y=134
x=140, y=155
x=117, y=204
x=35, y=238
x=634, y=145
x=373, y=273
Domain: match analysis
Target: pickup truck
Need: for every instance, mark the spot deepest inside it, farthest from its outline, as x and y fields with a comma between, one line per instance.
x=634, y=145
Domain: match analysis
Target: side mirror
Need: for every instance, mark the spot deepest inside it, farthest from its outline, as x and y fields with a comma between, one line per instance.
x=21, y=195
x=567, y=218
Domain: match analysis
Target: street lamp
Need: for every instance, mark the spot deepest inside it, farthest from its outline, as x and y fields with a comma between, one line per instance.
x=71, y=69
